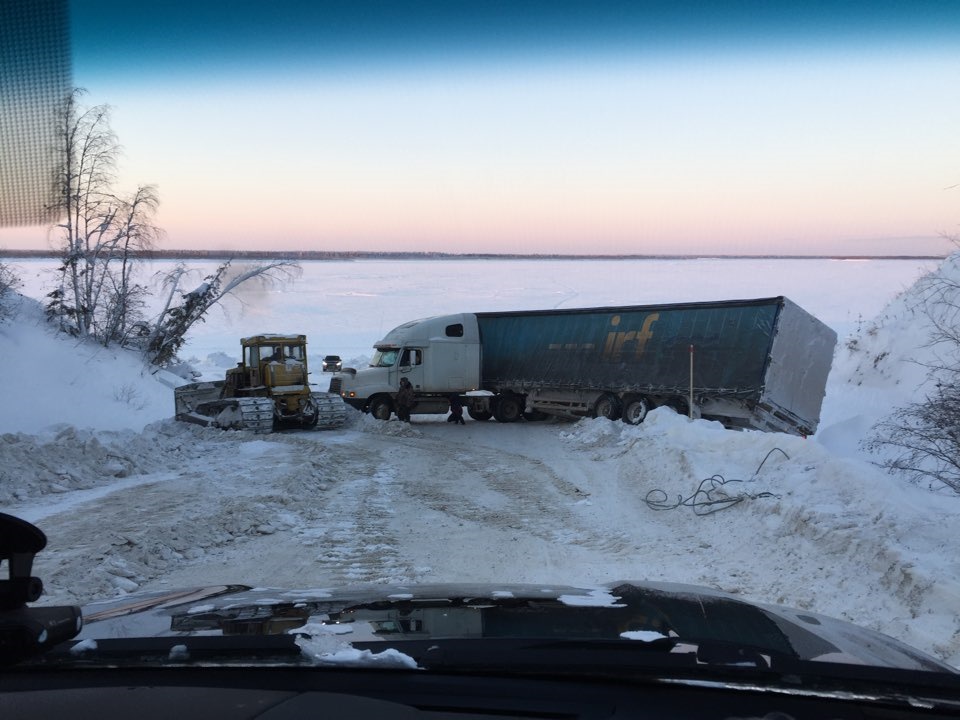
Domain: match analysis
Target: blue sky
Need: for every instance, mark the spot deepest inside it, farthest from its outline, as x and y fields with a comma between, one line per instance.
x=628, y=127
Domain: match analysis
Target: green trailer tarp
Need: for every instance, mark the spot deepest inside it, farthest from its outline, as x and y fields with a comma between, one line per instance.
x=766, y=353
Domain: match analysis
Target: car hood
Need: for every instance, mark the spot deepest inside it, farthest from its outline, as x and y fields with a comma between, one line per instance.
x=386, y=616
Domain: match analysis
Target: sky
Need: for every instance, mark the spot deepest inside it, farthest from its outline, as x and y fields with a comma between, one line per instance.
x=565, y=127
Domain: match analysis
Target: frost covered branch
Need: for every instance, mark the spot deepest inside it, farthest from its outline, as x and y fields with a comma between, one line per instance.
x=922, y=439
x=169, y=331
x=9, y=282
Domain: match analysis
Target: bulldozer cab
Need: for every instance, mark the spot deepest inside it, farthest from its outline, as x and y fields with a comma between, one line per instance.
x=270, y=361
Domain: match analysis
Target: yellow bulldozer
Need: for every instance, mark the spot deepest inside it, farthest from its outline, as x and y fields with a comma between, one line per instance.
x=269, y=389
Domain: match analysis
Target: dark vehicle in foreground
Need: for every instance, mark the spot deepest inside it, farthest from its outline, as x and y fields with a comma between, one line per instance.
x=621, y=650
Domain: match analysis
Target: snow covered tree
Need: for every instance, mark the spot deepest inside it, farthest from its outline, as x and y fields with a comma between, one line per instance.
x=101, y=232
x=9, y=282
x=103, y=236
x=168, y=332
x=923, y=438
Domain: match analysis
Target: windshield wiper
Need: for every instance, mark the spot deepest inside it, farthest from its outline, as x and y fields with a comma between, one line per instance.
x=707, y=663
x=167, y=650
x=589, y=656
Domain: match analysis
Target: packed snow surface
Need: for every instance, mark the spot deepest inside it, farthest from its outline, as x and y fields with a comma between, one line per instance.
x=132, y=500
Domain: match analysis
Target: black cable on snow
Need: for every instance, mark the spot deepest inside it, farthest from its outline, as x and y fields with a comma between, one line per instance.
x=710, y=495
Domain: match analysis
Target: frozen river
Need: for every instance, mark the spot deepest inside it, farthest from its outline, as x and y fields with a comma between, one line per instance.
x=345, y=306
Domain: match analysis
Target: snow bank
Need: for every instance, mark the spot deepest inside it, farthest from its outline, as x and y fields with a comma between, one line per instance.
x=788, y=506
x=52, y=379
x=880, y=366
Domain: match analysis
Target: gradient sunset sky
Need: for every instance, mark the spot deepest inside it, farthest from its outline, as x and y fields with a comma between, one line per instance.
x=549, y=127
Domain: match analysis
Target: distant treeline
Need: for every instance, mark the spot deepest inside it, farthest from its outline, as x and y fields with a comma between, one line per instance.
x=367, y=255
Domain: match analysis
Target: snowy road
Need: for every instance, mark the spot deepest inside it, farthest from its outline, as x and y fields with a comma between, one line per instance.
x=389, y=503
x=543, y=503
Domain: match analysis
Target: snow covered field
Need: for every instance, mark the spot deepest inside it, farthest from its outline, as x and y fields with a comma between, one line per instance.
x=131, y=500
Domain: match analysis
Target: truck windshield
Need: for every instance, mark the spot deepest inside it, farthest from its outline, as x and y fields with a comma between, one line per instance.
x=384, y=358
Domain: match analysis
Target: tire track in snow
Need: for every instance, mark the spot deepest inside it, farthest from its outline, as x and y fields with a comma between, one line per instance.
x=498, y=489
x=278, y=511
x=356, y=546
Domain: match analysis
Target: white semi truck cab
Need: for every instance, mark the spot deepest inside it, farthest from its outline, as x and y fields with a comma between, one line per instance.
x=440, y=356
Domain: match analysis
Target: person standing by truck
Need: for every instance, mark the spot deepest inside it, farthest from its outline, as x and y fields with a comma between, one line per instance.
x=405, y=400
x=456, y=410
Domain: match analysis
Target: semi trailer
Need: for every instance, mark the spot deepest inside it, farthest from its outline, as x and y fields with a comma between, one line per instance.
x=759, y=363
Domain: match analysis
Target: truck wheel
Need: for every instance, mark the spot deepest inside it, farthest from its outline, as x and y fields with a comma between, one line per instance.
x=481, y=415
x=381, y=408
x=535, y=416
x=508, y=408
x=635, y=409
x=607, y=406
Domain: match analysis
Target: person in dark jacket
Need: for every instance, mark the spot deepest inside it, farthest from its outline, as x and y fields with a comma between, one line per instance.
x=456, y=410
x=405, y=400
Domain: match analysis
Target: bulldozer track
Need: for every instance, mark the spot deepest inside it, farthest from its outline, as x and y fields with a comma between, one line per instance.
x=257, y=414
x=332, y=411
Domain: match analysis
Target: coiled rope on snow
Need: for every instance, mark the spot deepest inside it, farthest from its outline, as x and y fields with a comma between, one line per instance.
x=710, y=496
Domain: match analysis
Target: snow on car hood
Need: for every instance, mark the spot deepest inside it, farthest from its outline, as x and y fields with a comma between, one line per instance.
x=330, y=622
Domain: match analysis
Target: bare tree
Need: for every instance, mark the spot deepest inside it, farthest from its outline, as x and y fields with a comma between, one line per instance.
x=922, y=439
x=9, y=283
x=168, y=332
x=125, y=297
x=102, y=234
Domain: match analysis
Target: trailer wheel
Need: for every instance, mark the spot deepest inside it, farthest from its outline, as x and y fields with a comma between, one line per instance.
x=381, y=408
x=481, y=415
x=508, y=408
x=607, y=406
x=635, y=410
x=680, y=406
